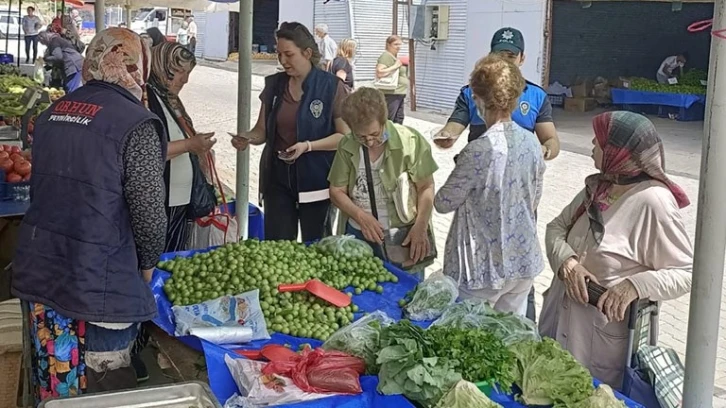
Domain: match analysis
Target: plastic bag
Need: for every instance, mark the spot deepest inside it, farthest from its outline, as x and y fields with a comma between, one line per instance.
x=509, y=327
x=432, y=297
x=213, y=230
x=321, y=371
x=39, y=71
x=361, y=339
x=239, y=310
x=261, y=390
x=346, y=246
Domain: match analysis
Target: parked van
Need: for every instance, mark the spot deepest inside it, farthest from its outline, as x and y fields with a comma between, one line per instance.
x=167, y=20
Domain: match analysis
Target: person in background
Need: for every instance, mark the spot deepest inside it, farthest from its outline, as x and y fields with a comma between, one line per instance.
x=171, y=65
x=182, y=35
x=77, y=20
x=389, y=64
x=192, y=32
x=31, y=26
x=86, y=282
x=326, y=45
x=623, y=231
x=533, y=113
x=156, y=36
x=122, y=25
x=61, y=54
x=394, y=150
x=492, y=250
x=342, y=65
x=668, y=67
x=57, y=24
x=295, y=165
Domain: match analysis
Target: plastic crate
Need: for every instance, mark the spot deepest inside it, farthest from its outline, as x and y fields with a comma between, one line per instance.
x=256, y=220
x=556, y=100
x=7, y=58
x=13, y=191
x=696, y=112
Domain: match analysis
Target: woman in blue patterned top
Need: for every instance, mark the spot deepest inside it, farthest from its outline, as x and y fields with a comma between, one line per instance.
x=492, y=248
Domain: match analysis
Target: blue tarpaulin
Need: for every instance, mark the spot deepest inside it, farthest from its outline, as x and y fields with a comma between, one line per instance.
x=223, y=385
x=630, y=97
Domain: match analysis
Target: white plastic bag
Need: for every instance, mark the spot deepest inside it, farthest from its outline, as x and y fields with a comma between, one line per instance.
x=432, y=297
x=39, y=71
x=213, y=230
x=239, y=310
x=259, y=390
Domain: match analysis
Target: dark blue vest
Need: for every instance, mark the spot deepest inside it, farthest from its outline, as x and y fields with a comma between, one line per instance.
x=314, y=122
x=76, y=251
x=525, y=115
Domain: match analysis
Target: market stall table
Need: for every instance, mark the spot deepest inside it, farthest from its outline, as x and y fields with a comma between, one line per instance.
x=685, y=107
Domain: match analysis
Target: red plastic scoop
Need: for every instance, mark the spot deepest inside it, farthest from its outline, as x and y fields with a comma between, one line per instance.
x=319, y=289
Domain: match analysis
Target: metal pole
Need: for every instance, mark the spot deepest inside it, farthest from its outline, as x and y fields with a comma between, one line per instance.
x=244, y=99
x=708, y=262
x=20, y=12
x=99, y=14
x=127, y=8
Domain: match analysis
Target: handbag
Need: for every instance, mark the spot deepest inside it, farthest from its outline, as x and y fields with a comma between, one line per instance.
x=393, y=249
x=388, y=82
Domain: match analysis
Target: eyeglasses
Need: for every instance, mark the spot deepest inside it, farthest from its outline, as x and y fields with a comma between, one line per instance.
x=376, y=138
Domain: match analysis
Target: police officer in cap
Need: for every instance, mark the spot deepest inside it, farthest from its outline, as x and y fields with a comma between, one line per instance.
x=534, y=112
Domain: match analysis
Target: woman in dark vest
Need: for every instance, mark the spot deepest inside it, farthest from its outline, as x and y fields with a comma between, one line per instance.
x=96, y=223
x=300, y=125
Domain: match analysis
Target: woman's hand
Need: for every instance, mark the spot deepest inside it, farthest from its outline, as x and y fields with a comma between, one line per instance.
x=296, y=151
x=239, y=142
x=147, y=274
x=575, y=277
x=370, y=227
x=444, y=139
x=615, y=301
x=418, y=242
x=200, y=143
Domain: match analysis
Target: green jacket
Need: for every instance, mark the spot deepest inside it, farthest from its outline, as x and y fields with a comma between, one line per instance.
x=405, y=151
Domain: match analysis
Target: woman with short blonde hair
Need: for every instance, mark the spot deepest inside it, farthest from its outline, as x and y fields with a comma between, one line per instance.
x=342, y=65
x=492, y=248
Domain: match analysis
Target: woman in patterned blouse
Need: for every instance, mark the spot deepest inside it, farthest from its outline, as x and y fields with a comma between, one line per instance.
x=492, y=248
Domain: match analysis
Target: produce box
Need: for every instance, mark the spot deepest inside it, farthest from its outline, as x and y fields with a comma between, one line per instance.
x=580, y=104
x=582, y=89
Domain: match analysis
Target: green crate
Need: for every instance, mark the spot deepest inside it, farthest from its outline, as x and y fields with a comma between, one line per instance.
x=484, y=387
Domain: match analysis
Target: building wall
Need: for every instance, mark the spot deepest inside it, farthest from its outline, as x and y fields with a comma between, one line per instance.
x=614, y=39
x=301, y=11
x=336, y=14
x=372, y=22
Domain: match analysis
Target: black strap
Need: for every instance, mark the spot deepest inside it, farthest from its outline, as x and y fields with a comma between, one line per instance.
x=369, y=181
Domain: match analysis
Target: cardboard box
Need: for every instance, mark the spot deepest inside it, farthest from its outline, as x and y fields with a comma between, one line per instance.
x=582, y=90
x=580, y=104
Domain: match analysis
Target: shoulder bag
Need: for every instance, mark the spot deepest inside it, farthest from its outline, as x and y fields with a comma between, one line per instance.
x=393, y=249
x=387, y=83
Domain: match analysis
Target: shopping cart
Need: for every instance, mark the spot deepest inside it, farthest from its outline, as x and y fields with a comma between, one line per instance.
x=642, y=330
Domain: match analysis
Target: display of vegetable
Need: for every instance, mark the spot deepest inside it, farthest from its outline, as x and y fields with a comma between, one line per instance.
x=346, y=246
x=408, y=368
x=361, y=339
x=465, y=395
x=240, y=267
x=549, y=375
x=603, y=397
x=509, y=327
x=12, y=88
x=478, y=355
x=14, y=164
x=693, y=77
x=9, y=69
x=432, y=297
x=649, y=85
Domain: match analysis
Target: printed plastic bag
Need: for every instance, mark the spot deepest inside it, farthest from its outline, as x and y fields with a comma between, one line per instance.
x=361, y=339
x=509, y=327
x=239, y=310
x=432, y=297
x=39, y=71
x=261, y=390
x=321, y=371
x=346, y=246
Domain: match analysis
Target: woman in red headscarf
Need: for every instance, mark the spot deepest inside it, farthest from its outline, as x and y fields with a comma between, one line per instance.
x=623, y=231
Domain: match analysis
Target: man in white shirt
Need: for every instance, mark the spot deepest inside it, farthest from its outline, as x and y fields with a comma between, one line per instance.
x=192, y=34
x=327, y=46
x=668, y=67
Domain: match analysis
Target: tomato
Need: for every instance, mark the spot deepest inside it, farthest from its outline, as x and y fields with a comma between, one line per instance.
x=14, y=149
x=2, y=148
x=16, y=157
x=13, y=178
x=22, y=167
x=6, y=165
x=4, y=155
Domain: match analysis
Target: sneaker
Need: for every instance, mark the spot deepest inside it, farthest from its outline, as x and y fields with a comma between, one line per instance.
x=142, y=374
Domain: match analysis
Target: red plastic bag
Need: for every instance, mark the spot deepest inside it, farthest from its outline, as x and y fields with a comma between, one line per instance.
x=321, y=371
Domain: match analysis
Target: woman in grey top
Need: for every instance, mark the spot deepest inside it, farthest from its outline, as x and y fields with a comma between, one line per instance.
x=31, y=25
x=492, y=248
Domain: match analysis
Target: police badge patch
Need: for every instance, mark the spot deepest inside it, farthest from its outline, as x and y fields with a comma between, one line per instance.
x=524, y=107
x=316, y=108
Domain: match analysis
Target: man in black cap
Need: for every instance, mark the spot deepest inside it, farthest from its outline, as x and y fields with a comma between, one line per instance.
x=534, y=112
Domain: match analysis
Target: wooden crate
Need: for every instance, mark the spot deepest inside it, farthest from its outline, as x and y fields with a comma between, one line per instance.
x=580, y=104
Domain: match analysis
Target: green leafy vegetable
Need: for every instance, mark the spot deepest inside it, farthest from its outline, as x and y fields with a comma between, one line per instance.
x=479, y=355
x=466, y=395
x=549, y=375
x=432, y=296
x=603, y=397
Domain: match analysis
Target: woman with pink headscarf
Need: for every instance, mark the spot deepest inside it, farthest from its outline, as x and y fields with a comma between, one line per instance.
x=623, y=232
x=96, y=224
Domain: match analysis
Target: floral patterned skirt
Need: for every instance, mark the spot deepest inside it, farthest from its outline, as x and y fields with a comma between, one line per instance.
x=58, y=352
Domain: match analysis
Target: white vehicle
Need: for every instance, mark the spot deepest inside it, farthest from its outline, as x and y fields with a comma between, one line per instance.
x=10, y=25
x=167, y=20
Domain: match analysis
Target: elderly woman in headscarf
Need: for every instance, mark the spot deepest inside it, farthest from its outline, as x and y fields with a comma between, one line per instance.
x=62, y=56
x=623, y=232
x=95, y=228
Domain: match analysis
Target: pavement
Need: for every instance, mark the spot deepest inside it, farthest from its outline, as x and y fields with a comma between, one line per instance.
x=211, y=96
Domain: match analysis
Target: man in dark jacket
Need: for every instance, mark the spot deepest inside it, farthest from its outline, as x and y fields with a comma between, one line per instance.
x=60, y=53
